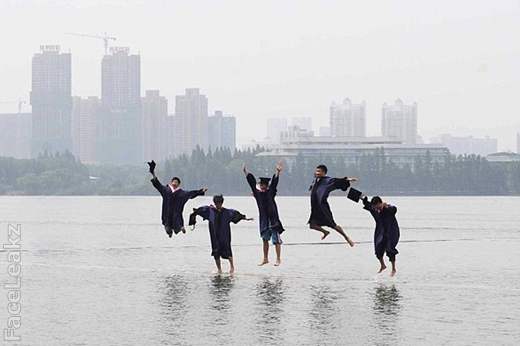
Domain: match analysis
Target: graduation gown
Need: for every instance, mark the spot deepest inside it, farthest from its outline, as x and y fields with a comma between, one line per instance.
x=321, y=214
x=219, y=228
x=267, y=208
x=386, y=234
x=173, y=204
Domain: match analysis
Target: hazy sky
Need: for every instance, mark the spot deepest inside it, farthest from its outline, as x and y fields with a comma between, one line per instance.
x=460, y=60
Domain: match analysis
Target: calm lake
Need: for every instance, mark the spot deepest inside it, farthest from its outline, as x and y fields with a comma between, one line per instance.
x=102, y=271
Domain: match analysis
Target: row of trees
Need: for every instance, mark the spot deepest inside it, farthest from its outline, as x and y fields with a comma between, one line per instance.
x=220, y=171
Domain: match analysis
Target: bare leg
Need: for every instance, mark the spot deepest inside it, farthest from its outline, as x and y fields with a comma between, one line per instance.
x=231, y=266
x=340, y=231
x=319, y=228
x=383, y=265
x=219, y=267
x=278, y=248
x=266, y=253
x=394, y=270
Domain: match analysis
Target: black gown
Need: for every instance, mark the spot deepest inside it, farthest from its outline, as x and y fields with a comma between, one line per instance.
x=267, y=208
x=173, y=204
x=321, y=215
x=219, y=228
x=386, y=234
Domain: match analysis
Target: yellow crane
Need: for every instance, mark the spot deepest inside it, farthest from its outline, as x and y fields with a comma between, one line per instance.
x=105, y=37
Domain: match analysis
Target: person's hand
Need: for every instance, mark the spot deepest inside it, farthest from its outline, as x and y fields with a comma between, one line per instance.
x=244, y=169
x=249, y=219
x=151, y=166
x=279, y=167
x=353, y=179
x=204, y=189
x=365, y=200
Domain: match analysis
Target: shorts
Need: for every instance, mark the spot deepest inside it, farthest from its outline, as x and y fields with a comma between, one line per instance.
x=271, y=234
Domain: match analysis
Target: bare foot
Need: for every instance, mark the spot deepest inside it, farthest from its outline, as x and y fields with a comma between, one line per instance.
x=392, y=274
x=383, y=267
x=350, y=242
x=278, y=262
x=219, y=271
x=232, y=270
x=263, y=262
x=325, y=234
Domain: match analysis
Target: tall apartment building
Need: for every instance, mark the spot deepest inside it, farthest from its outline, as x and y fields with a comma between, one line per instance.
x=348, y=119
x=16, y=129
x=119, y=122
x=222, y=131
x=51, y=101
x=191, y=113
x=85, y=112
x=275, y=128
x=154, y=126
x=400, y=121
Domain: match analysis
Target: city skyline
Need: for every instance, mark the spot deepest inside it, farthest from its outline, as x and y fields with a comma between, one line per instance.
x=372, y=52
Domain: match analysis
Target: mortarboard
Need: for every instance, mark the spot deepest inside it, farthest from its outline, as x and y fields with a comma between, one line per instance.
x=263, y=180
x=354, y=194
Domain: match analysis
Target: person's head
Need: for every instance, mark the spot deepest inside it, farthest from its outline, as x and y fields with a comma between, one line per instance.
x=321, y=171
x=377, y=203
x=218, y=200
x=175, y=182
x=263, y=184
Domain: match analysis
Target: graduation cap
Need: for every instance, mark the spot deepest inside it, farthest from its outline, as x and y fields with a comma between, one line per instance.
x=263, y=180
x=354, y=195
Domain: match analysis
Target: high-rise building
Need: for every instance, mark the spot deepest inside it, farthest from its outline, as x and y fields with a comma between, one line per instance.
x=348, y=119
x=119, y=122
x=222, y=131
x=400, y=121
x=51, y=101
x=16, y=129
x=275, y=128
x=303, y=123
x=155, y=114
x=324, y=131
x=85, y=113
x=121, y=80
x=468, y=145
x=191, y=109
x=173, y=141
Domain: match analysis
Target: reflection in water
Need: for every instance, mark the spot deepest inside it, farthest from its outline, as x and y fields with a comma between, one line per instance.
x=324, y=313
x=220, y=310
x=387, y=306
x=174, y=307
x=269, y=324
x=220, y=289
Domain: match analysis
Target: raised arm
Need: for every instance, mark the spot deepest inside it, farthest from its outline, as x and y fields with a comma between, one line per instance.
x=155, y=182
x=202, y=212
x=237, y=216
x=368, y=206
x=251, y=180
x=195, y=193
x=276, y=176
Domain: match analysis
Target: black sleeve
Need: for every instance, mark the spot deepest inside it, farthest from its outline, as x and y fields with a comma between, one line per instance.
x=251, y=180
x=237, y=217
x=341, y=184
x=157, y=184
x=274, y=184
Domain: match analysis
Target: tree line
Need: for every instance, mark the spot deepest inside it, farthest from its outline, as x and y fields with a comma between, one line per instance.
x=221, y=171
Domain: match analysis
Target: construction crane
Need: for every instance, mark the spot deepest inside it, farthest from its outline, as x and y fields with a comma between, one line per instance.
x=105, y=37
